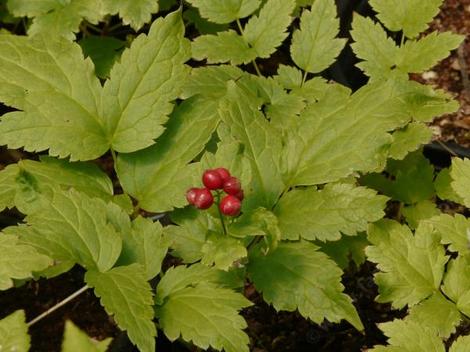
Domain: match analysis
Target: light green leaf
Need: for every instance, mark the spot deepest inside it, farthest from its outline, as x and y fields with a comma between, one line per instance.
x=315, y=46
x=207, y=316
x=158, y=177
x=104, y=51
x=462, y=344
x=59, y=99
x=457, y=283
x=289, y=77
x=135, y=13
x=203, y=26
x=297, y=276
x=443, y=186
x=222, y=252
x=14, y=333
x=76, y=340
x=137, y=98
x=73, y=226
x=346, y=249
x=460, y=173
x=126, y=294
x=325, y=214
x=18, y=261
x=411, y=16
x=421, y=55
x=436, y=313
x=454, y=231
x=417, y=212
x=223, y=47
x=409, y=336
x=60, y=17
x=225, y=11
x=145, y=245
x=411, y=266
x=8, y=186
x=265, y=32
x=409, y=139
x=261, y=141
x=372, y=45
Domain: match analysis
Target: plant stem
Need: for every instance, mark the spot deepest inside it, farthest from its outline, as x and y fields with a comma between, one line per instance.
x=402, y=41
x=58, y=305
x=240, y=28
x=221, y=216
x=113, y=154
x=304, y=78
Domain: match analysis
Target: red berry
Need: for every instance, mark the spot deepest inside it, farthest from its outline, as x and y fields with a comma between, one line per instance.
x=230, y=205
x=191, y=195
x=223, y=172
x=240, y=195
x=232, y=186
x=203, y=199
x=212, y=179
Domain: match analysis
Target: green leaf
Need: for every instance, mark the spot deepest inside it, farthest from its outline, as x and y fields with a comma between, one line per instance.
x=411, y=16
x=203, y=26
x=76, y=340
x=262, y=144
x=462, y=344
x=346, y=249
x=409, y=139
x=8, y=186
x=417, y=212
x=223, y=47
x=421, y=55
x=134, y=13
x=207, y=316
x=126, y=294
x=225, y=11
x=73, y=226
x=158, y=177
x=409, y=336
x=443, y=186
x=18, y=261
x=325, y=214
x=14, y=333
x=265, y=32
x=60, y=99
x=457, y=283
x=289, y=77
x=62, y=17
x=222, y=252
x=297, y=276
x=137, y=98
x=411, y=266
x=315, y=46
x=460, y=173
x=454, y=231
x=372, y=45
x=436, y=313
x=104, y=51
x=145, y=245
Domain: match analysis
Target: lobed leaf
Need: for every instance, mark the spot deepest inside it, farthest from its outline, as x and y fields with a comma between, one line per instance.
x=14, y=333
x=76, y=340
x=460, y=173
x=456, y=284
x=134, y=13
x=225, y=11
x=454, y=231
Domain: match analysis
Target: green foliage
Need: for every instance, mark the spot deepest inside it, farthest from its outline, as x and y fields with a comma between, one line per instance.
x=74, y=339
x=225, y=11
x=103, y=51
x=126, y=294
x=135, y=13
x=14, y=333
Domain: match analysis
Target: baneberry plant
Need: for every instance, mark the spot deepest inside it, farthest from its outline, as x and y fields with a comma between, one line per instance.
x=290, y=165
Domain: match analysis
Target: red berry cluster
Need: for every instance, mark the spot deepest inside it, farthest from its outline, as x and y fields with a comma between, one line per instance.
x=215, y=180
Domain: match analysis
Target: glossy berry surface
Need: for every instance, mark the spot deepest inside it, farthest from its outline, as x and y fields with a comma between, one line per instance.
x=191, y=195
x=223, y=172
x=230, y=205
x=212, y=179
x=203, y=199
x=240, y=195
x=232, y=186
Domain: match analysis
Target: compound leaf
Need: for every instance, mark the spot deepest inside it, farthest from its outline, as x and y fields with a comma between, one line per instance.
x=454, y=231
x=222, y=252
x=325, y=214
x=137, y=98
x=315, y=46
x=126, y=294
x=158, y=177
x=411, y=16
x=297, y=276
x=225, y=11
x=411, y=266
x=18, y=261
x=207, y=316
x=265, y=32
x=76, y=340
x=14, y=333
x=457, y=283
x=460, y=173
x=135, y=13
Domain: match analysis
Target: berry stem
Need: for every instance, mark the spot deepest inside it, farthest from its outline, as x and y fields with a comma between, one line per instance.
x=221, y=216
